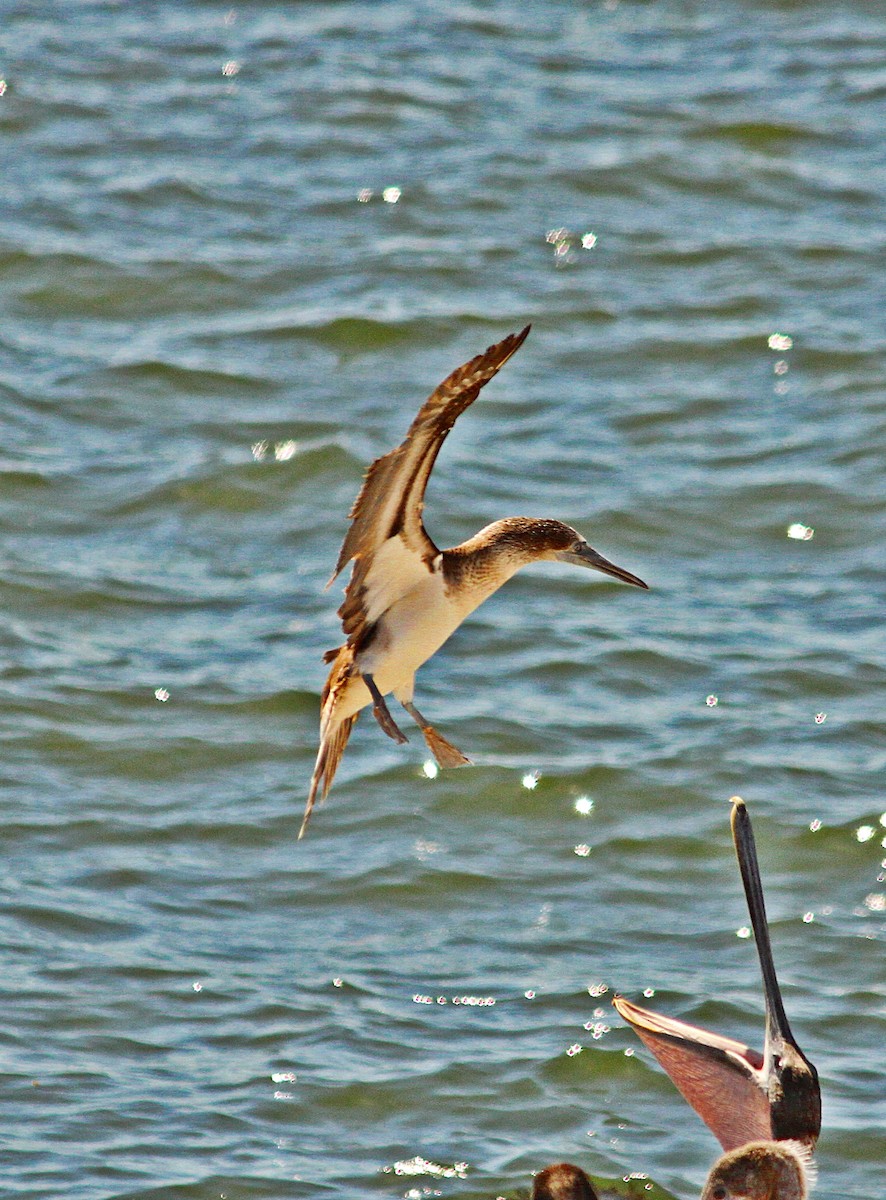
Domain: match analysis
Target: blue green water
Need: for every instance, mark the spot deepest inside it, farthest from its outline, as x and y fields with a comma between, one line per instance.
x=214, y=312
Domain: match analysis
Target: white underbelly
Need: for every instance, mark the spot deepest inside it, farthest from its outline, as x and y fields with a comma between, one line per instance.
x=406, y=636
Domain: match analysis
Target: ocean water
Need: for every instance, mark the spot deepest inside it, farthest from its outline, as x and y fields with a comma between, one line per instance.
x=239, y=245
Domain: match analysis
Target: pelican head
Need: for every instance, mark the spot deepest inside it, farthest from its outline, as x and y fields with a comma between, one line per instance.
x=562, y=1181
x=761, y=1171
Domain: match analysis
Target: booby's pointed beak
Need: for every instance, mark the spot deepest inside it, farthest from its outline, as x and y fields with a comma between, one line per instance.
x=583, y=555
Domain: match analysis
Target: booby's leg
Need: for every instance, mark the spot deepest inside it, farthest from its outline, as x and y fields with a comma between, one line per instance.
x=445, y=753
x=381, y=713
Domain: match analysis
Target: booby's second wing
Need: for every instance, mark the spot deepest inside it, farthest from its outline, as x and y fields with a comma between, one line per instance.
x=390, y=502
x=721, y=1078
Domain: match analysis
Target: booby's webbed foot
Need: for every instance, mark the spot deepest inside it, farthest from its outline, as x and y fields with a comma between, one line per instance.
x=445, y=753
x=382, y=714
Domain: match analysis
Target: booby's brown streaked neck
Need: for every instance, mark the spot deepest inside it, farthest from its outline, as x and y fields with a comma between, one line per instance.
x=405, y=596
x=562, y=1181
x=741, y=1095
x=762, y=1171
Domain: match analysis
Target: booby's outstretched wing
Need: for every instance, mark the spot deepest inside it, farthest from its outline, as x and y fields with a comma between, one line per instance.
x=387, y=539
x=740, y=1094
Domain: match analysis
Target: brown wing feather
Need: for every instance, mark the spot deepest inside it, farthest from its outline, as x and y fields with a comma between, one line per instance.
x=716, y=1075
x=333, y=734
x=391, y=500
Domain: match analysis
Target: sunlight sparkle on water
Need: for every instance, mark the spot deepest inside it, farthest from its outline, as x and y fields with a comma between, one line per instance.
x=711, y=701
x=429, y=769
x=815, y=825
x=2, y=87
x=391, y=195
x=808, y=917
x=820, y=718
x=161, y=694
x=364, y=195
x=574, y=1049
x=582, y=850
x=423, y=1166
x=530, y=780
x=800, y=533
x=780, y=341
x=597, y=989
x=744, y=932
x=231, y=68
x=584, y=805
x=864, y=833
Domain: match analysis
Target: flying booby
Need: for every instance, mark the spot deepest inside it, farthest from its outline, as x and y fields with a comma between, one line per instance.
x=741, y=1095
x=405, y=596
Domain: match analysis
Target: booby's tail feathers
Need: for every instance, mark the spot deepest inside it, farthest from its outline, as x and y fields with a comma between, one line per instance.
x=334, y=730
x=332, y=747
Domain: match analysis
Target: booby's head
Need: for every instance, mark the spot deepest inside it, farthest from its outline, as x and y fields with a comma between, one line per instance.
x=563, y=1181
x=534, y=539
x=762, y=1171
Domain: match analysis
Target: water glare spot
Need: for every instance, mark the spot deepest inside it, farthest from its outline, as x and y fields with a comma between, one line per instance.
x=629, y=1053
x=364, y=195
x=649, y=993
x=582, y=850
x=530, y=995
x=744, y=932
x=780, y=341
x=2, y=87
x=418, y=998
x=391, y=195
x=808, y=918
x=584, y=805
x=876, y=902
x=711, y=701
x=883, y=819
x=588, y=241
x=161, y=694
x=781, y=367
x=429, y=769
x=230, y=17
x=337, y=982
x=231, y=68
x=815, y=825
x=423, y=1166
x=260, y=450
x=283, y=1077
x=597, y=989
x=574, y=1049
x=864, y=833
x=530, y=780
x=198, y=987
x=801, y=533
x=283, y=451
x=820, y=718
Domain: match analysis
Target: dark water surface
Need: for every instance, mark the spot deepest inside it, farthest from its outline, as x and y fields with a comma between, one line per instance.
x=212, y=319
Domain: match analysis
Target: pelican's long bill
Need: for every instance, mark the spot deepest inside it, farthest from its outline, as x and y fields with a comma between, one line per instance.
x=741, y=1095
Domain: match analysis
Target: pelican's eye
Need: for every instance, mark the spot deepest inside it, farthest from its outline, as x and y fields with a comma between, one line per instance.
x=719, y=1193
